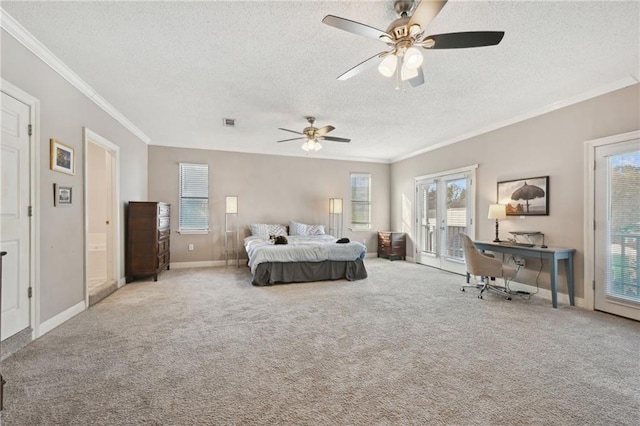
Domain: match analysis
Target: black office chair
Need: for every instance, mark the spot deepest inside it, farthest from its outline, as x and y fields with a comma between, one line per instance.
x=486, y=267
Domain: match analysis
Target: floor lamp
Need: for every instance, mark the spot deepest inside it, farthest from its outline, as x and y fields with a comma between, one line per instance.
x=231, y=229
x=497, y=212
x=335, y=217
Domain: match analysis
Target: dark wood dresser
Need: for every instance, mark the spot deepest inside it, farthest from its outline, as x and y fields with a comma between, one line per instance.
x=392, y=245
x=148, y=239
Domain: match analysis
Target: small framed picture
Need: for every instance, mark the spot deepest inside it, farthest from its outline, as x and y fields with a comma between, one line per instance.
x=62, y=195
x=525, y=197
x=62, y=158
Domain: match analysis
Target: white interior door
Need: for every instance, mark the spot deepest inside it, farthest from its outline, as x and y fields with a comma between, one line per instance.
x=617, y=230
x=444, y=211
x=14, y=212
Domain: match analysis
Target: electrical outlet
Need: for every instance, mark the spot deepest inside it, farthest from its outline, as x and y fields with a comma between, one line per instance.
x=190, y=246
x=519, y=261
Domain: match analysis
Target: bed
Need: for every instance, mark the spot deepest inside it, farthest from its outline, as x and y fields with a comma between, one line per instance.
x=304, y=258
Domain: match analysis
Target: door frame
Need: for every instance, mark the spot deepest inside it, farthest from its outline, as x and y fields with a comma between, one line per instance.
x=471, y=203
x=590, y=207
x=90, y=136
x=34, y=197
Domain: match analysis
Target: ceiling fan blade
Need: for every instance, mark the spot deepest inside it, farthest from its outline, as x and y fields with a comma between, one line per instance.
x=426, y=12
x=417, y=80
x=292, y=131
x=334, y=139
x=362, y=66
x=353, y=27
x=289, y=140
x=465, y=39
x=324, y=130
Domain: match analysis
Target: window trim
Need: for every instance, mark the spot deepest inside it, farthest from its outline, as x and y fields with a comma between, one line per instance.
x=208, y=198
x=360, y=227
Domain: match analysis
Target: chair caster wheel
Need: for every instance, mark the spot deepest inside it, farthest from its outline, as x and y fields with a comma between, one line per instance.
x=508, y=298
x=480, y=297
x=461, y=288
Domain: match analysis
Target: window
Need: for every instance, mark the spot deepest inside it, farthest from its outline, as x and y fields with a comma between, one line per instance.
x=360, y=201
x=194, y=198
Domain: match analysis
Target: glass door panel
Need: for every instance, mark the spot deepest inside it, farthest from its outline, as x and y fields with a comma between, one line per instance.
x=444, y=211
x=617, y=234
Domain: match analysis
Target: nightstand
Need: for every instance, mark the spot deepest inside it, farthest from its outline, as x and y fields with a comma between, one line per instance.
x=392, y=245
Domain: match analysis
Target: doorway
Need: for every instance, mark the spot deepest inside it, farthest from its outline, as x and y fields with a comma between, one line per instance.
x=616, y=234
x=445, y=209
x=102, y=218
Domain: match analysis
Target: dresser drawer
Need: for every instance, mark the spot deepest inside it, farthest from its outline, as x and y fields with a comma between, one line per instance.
x=163, y=234
x=163, y=210
x=163, y=259
x=163, y=246
x=164, y=222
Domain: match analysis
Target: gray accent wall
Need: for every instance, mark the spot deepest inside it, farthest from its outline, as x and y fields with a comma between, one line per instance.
x=551, y=144
x=64, y=111
x=270, y=189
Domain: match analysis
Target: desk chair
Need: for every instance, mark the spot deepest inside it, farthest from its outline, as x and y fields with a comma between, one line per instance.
x=485, y=266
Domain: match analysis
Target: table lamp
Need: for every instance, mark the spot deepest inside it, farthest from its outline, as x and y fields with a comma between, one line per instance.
x=497, y=212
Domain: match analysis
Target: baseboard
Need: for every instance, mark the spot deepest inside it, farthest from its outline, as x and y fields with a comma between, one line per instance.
x=52, y=323
x=121, y=281
x=546, y=294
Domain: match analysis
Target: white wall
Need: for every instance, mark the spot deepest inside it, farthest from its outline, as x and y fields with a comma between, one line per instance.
x=271, y=189
x=64, y=111
x=551, y=144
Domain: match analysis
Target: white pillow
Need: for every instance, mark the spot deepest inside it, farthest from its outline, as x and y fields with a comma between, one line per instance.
x=296, y=228
x=314, y=230
x=267, y=229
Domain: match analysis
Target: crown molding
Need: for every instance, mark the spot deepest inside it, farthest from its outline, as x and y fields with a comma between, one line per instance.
x=598, y=91
x=17, y=31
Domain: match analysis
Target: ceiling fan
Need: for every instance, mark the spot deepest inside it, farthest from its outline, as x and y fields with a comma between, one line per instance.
x=313, y=135
x=405, y=35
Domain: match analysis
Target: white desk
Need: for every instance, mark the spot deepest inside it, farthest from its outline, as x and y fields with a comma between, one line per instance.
x=552, y=254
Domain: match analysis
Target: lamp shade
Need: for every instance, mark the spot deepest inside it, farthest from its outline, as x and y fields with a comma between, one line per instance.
x=388, y=65
x=497, y=211
x=231, y=205
x=335, y=205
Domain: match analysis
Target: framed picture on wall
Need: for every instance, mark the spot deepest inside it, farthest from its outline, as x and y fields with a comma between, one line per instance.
x=62, y=195
x=62, y=158
x=525, y=197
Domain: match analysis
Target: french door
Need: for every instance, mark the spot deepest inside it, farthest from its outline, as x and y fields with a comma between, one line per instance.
x=617, y=228
x=444, y=209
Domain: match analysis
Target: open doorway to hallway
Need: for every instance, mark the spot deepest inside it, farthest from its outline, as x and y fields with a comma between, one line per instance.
x=102, y=224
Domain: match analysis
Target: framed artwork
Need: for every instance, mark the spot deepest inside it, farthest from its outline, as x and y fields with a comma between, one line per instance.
x=62, y=195
x=62, y=158
x=525, y=197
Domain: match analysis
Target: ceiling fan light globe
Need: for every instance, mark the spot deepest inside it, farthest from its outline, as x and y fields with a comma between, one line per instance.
x=317, y=146
x=407, y=73
x=305, y=146
x=388, y=66
x=413, y=58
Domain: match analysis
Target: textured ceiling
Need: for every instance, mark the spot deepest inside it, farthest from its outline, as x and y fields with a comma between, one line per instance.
x=175, y=69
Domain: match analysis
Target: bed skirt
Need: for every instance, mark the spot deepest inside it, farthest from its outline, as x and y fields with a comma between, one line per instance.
x=294, y=272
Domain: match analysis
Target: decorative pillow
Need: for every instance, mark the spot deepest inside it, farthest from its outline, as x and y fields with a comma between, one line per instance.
x=267, y=229
x=296, y=228
x=314, y=230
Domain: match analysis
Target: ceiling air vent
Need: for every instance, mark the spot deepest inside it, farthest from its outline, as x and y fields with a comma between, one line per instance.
x=229, y=122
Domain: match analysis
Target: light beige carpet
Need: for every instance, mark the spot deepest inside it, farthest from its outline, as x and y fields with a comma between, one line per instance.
x=405, y=346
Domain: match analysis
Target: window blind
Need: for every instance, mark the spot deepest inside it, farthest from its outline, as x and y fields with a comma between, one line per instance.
x=194, y=197
x=361, y=200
